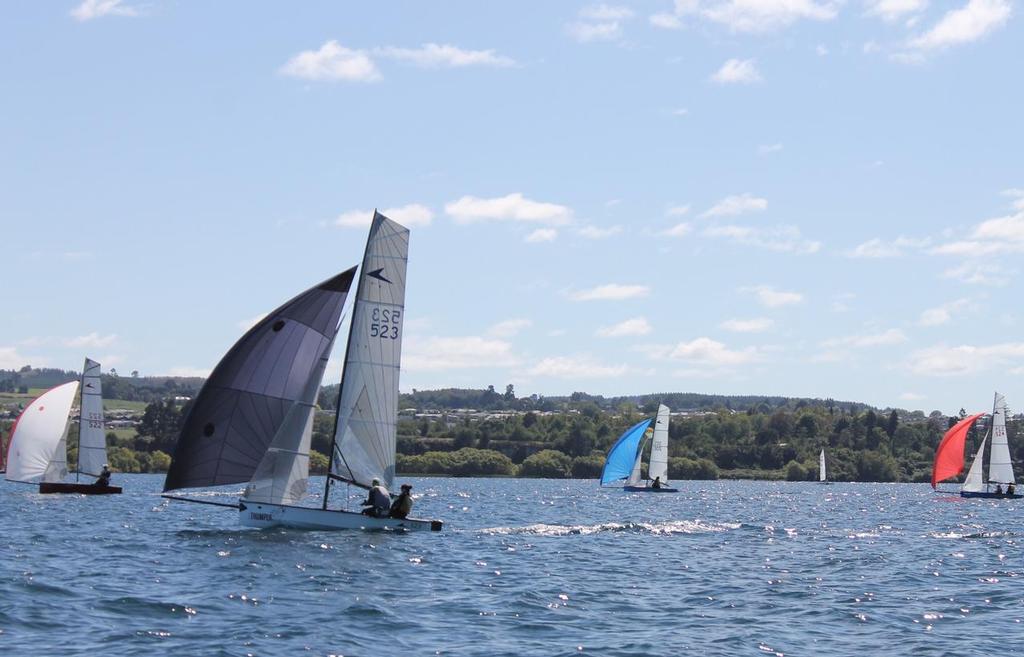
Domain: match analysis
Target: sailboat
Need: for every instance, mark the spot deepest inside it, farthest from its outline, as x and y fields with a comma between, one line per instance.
x=822, y=477
x=37, y=451
x=624, y=460
x=253, y=419
x=949, y=457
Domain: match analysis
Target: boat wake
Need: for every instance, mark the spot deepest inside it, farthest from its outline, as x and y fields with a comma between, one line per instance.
x=670, y=527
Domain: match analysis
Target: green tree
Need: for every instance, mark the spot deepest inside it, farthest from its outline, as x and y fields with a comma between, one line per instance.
x=547, y=463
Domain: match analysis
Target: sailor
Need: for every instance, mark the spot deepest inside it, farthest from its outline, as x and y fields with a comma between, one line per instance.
x=402, y=505
x=657, y=483
x=378, y=501
x=999, y=489
x=1009, y=489
x=104, y=478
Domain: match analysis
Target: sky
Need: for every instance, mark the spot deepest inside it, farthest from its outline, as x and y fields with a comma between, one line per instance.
x=780, y=197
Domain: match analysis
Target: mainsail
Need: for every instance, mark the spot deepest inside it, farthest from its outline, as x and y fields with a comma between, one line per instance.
x=37, y=448
x=821, y=466
x=242, y=406
x=949, y=457
x=619, y=463
x=1000, y=469
x=365, y=432
x=658, y=467
x=92, y=441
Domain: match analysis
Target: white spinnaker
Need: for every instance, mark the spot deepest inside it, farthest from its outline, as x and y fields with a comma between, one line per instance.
x=1000, y=469
x=821, y=466
x=282, y=477
x=39, y=435
x=365, y=436
x=659, y=447
x=92, y=440
x=974, y=483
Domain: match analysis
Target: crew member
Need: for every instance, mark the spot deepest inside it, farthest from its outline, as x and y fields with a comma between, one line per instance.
x=104, y=478
x=378, y=501
x=402, y=505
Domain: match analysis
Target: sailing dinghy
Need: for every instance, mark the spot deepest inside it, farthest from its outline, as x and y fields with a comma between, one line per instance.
x=37, y=452
x=822, y=477
x=949, y=457
x=624, y=459
x=253, y=419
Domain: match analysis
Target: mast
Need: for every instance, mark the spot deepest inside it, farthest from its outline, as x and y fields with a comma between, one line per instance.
x=81, y=416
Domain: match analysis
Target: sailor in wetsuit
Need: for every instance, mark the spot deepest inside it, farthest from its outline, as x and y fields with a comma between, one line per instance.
x=377, y=502
x=657, y=483
x=104, y=478
x=402, y=505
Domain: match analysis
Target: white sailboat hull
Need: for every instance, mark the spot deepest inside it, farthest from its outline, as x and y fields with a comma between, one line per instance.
x=263, y=515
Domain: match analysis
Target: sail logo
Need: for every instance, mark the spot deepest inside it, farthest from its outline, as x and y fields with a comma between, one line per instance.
x=266, y=517
x=384, y=323
x=378, y=274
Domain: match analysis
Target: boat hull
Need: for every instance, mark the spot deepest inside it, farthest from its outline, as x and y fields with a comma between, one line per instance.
x=965, y=493
x=262, y=515
x=648, y=489
x=80, y=489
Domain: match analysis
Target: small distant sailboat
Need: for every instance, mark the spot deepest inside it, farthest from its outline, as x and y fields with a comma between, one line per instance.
x=624, y=460
x=949, y=457
x=822, y=476
x=37, y=452
x=253, y=420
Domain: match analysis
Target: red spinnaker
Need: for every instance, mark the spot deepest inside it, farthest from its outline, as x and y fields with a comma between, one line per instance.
x=949, y=457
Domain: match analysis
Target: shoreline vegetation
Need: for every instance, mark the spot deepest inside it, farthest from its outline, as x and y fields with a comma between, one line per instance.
x=469, y=432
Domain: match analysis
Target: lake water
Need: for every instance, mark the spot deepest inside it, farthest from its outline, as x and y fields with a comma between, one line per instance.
x=523, y=567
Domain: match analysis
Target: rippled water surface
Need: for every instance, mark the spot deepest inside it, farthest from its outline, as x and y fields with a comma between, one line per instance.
x=523, y=567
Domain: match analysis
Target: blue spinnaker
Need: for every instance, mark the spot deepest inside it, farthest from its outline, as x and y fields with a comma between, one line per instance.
x=622, y=455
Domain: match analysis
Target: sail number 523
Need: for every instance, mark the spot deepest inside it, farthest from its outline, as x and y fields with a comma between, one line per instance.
x=384, y=323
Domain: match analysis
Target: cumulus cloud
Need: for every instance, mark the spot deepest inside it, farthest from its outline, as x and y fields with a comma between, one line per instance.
x=542, y=235
x=599, y=23
x=705, y=351
x=973, y=21
x=91, y=9
x=771, y=298
x=11, y=359
x=433, y=55
x=737, y=71
x=513, y=207
x=894, y=10
x=576, y=367
x=453, y=353
x=599, y=233
x=750, y=15
x=992, y=236
x=944, y=360
x=787, y=239
x=629, y=327
x=611, y=292
x=737, y=204
x=91, y=341
x=410, y=215
x=878, y=248
x=332, y=62
x=678, y=210
x=975, y=273
x=509, y=327
x=862, y=341
x=679, y=230
x=755, y=325
x=187, y=371
x=665, y=21
x=944, y=313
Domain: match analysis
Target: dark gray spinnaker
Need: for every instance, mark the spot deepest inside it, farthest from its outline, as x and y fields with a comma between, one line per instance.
x=239, y=410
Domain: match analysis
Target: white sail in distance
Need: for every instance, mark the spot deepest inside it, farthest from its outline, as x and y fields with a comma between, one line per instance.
x=92, y=439
x=821, y=466
x=365, y=434
x=659, y=447
x=1000, y=468
x=37, y=446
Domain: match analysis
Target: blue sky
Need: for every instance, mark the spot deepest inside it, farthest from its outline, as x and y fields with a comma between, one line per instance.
x=792, y=197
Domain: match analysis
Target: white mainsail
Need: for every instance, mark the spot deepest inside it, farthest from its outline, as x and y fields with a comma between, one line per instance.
x=365, y=434
x=634, y=475
x=659, y=447
x=1000, y=468
x=821, y=466
x=975, y=483
x=92, y=440
x=37, y=450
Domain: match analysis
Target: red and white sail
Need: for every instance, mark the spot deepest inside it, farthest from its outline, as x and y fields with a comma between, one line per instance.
x=38, y=442
x=949, y=457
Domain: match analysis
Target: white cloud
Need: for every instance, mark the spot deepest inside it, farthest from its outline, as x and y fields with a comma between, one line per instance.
x=678, y=210
x=604, y=12
x=889, y=337
x=979, y=274
x=91, y=341
x=944, y=313
x=509, y=328
x=680, y=111
x=943, y=360
x=10, y=359
x=410, y=215
x=821, y=50
x=576, y=367
x=611, y=292
x=735, y=71
x=91, y=9
x=705, y=351
x=542, y=235
x=451, y=353
x=679, y=230
x=332, y=61
x=665, y=21
x=894, y=10
x=736, y=204
x=969, y=23
x=513, y=207
x=433, y=55
x=598, y=233
x=186, y=371
x=635, y=326
x=758, y=15
x=756, y=325
x=768, y=149
x=992, y=236
x=786, y=239
x=912, y=396
x=877, y=248
x=587, y=32
x=771, y=298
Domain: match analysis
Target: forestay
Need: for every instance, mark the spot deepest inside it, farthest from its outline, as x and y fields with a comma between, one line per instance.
x=365, y=433
x=38, y=443
x=92, y=440
x=1000, y=469
x=623, y=454
x=658, y=467
x=244, y=403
